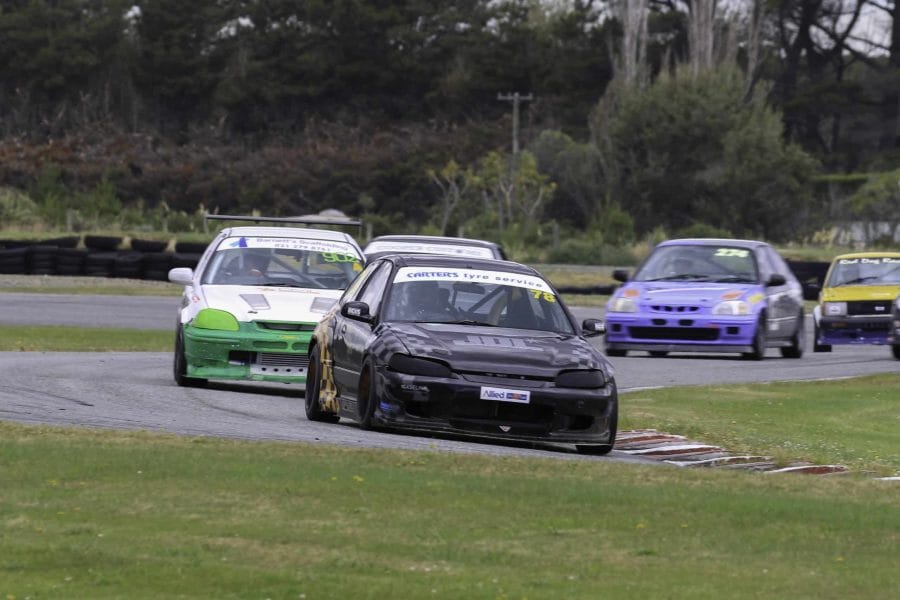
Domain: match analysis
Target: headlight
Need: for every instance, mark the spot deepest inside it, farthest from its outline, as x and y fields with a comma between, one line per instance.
x=211, y=318
x=581, y=379
x=731, y=307
x=835, y=309
x=409, y=365
x=620, y=304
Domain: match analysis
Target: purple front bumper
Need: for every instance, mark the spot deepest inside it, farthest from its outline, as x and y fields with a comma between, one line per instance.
x=693, y=333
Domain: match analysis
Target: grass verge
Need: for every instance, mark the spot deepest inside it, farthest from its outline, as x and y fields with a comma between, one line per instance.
x=102, y=514
x=48, y=338
x=853, y=422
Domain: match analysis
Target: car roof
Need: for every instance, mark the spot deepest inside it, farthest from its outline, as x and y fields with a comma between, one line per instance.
x=713, y=242
x=433, y=238
x=292, y=232
x=440, y=260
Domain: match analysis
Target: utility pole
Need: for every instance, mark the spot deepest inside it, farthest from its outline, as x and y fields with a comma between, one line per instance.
x=515, y=98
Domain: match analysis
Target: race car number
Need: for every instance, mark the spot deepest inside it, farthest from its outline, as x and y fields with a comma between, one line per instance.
x=337, y=257
x=545, y=296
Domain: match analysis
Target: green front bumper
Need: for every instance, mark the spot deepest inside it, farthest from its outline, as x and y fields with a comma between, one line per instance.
x=253, y=353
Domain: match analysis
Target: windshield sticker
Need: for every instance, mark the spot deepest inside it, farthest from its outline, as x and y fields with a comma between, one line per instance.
x=739, y=252
x=885, y=260
x=529, y=282
x=324, y=246
x=416, y=248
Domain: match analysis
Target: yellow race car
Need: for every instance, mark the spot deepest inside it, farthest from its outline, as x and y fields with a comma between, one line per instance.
x=855, y=303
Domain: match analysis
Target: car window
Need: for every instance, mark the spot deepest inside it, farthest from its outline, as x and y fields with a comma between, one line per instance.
x=427, y=247
x=476, y=297
x=294, y=262
x=355, y=286
x=701, y=262
x=879, y=270
x=781, y=265
x=373, y=289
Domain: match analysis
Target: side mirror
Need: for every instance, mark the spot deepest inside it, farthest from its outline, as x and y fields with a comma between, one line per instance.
x=358, y=311
x=182, y=275
x=621, y=275
x=593, y=327
x=775, y=280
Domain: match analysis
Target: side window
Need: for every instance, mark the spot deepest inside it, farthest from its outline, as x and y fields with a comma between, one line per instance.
x=765, y=267
x=353, y=289
x=781, y=265
x=373, y=289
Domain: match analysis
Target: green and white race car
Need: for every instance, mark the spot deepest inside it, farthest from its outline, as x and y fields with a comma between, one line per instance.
x=249, y=308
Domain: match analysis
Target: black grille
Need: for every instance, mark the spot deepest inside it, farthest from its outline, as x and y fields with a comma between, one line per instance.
x=869, y=307
x=271, y=359
x=694, y=334
x=274, y=326
x=670, y=308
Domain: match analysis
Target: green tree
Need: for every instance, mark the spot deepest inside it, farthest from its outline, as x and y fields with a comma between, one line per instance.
x=696, y=149
x=877, y=203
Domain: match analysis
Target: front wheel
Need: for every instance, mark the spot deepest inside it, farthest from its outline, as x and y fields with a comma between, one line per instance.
x=795, y=350
x=603, y=449
x=314, y=410
x=896, y=351
x=367, y=398
x=817, y=347
x=179, y=366
x=759, y=342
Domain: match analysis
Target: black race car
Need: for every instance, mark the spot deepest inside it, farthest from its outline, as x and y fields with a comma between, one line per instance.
x=466, y=346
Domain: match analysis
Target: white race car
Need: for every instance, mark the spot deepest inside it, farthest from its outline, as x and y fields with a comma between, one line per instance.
x=250, y=307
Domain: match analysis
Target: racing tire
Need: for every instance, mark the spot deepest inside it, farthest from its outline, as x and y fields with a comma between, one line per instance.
x=602, y=449
x=817, y=347
x=658, y=353
x=179, y=366
x=314, y=410
x=366, y=399
x=895, y=350
x=759, y=341
x=795, y=350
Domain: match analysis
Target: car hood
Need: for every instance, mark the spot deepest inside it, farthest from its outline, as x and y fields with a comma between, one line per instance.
x=844, y=293
x=258, y=303
x=701, y=293
x=497, y=349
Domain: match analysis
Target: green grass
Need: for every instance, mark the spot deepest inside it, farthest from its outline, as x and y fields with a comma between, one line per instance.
x=46, y=338
x=854, y=422
x=100, y=514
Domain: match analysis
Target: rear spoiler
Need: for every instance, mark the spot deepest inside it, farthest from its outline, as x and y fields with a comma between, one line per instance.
x=306, y=221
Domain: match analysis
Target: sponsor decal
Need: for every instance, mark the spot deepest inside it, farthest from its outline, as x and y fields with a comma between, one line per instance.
x=886, y=260
x=631, y=293
x=323, y=246
x=739, y=252
x=448, y=249
x=505, y=395
x=757, y=297
x=529, y=282
x=413, y=387
x=733, y=295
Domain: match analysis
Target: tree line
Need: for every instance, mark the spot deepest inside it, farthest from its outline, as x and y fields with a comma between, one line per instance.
x=681, y=115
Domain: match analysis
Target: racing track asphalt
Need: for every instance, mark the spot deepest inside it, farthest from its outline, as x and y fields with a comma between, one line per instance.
x=136, y=391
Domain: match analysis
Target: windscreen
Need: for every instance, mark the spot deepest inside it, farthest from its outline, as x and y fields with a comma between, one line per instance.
x=289, y=262
x=706, y=263
x=400, y=247
x=881, y=270
x=475, y=297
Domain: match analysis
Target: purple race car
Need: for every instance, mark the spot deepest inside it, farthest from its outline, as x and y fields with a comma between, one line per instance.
x=707, y=295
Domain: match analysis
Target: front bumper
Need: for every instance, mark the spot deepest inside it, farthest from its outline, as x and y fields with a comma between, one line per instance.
x=867, y=329
x=252, y=353
x=556, y=415
x=688, y=333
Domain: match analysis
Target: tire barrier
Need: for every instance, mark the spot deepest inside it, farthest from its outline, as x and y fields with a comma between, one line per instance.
x=100, y=256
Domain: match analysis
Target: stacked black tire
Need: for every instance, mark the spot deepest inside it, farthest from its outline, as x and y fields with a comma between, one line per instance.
x=100, y=257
